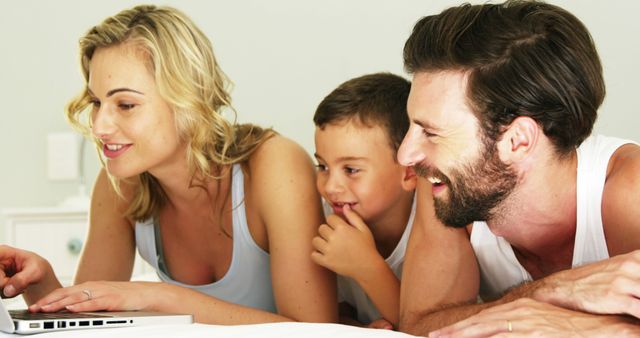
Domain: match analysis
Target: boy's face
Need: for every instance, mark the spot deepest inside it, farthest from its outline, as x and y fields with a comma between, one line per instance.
x=356, y=166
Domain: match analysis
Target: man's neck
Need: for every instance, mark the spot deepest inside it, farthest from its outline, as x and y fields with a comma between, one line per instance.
x=539, y=218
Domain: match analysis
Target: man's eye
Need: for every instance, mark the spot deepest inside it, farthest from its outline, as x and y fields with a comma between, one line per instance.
x=428, y=134
x=321, y=167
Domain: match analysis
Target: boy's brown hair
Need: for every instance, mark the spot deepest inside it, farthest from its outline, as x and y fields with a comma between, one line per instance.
x=378, y=99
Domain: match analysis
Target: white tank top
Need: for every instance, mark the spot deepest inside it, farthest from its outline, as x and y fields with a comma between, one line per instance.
x=499, y=267
x=248, y=280
x=350, y=291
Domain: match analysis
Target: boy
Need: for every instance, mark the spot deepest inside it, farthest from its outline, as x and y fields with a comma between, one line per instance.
x=359, y=127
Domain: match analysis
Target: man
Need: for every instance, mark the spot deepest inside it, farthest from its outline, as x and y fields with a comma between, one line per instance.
x=502, y=105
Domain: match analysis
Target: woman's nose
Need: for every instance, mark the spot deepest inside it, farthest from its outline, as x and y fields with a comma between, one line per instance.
x=102, y=124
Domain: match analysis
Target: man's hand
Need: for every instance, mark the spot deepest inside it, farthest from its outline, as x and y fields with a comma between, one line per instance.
x=611, y=286
x=527, y=317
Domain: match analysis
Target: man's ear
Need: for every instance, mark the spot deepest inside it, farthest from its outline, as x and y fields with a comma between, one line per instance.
x=519, y=140
x=409, y=179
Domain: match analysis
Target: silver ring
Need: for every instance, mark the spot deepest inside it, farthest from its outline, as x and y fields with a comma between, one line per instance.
x=509, y=326
x=88, y=293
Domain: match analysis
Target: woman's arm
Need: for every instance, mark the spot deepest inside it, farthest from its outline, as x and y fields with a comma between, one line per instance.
x=284, y=193
x=109, y=249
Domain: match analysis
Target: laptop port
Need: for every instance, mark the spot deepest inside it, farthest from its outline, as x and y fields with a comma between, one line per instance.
x=34, y=325
x=62, y=325
x=48, y=325
x=116, y=321
x=97, y=322
x=72, y=323
x=83, y=323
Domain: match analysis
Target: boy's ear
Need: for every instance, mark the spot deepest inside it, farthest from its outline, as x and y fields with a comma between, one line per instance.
x=409, y=179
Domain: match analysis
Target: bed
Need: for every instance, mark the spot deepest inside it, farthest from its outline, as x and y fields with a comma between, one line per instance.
x=279, y=330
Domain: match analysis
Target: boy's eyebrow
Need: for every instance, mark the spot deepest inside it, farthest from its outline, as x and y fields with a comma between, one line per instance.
x=343, y=158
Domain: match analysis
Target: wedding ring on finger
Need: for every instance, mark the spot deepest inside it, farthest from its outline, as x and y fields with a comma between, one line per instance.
x=509, y=326
x=88, y=293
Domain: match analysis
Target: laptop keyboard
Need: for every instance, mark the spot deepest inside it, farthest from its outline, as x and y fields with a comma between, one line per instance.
x=25, y=314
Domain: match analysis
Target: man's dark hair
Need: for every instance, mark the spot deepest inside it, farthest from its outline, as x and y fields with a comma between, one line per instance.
x=374, y=100
x=523, y=58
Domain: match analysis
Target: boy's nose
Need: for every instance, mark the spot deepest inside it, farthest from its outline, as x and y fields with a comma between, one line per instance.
x=410, y=152
x=333, y=185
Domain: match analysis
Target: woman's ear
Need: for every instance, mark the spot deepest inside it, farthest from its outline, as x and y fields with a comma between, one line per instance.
x=409, y=179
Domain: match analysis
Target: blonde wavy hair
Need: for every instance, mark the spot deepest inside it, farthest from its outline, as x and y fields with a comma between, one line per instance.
x=188, y=77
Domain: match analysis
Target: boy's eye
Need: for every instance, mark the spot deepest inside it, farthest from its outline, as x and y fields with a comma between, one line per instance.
x=321, y=167
x=351, y=170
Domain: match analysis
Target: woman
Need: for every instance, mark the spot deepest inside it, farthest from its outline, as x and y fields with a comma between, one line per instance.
x=224, y=212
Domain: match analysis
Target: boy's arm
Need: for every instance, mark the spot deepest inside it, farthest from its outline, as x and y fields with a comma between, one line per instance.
x=348, y=248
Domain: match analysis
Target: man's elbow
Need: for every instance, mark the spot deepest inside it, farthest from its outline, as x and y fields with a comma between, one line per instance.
x=412, y=323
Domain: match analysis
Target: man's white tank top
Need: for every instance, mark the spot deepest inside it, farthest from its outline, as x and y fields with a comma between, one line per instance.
x=350, y=291
x=499, y=267
x=248, y=280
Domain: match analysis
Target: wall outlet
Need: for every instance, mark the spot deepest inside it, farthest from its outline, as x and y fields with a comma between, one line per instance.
x=63, y=153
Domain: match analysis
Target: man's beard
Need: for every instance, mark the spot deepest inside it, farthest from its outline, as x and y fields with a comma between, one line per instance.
x=475, y=190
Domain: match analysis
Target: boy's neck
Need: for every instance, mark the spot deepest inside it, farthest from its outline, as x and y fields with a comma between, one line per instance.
x=388, y=229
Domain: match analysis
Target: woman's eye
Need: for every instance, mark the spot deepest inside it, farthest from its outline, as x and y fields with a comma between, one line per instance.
x=321, y=167
x=126, y=106
x=95, y=103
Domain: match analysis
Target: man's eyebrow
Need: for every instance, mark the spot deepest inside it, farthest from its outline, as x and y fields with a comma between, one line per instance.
x=425, y=125
x=117, y=90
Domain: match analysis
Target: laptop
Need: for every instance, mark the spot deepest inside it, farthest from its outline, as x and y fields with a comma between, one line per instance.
x=25, y=322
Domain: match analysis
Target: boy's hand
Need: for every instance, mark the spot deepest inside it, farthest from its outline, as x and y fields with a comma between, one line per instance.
x=346, y=247
x=380, y=323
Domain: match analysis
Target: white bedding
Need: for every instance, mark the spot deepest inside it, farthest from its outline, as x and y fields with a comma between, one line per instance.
x=271, y=330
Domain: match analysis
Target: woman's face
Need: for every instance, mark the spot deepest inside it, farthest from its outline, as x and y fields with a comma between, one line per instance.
x=135, y=126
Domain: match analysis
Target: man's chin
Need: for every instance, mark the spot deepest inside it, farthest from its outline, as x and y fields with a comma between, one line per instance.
x=449, y=217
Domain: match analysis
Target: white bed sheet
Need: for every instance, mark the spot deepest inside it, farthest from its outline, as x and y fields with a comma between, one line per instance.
x=271, y=330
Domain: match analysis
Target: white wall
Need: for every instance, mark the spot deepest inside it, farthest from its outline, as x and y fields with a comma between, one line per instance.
x=283, y=55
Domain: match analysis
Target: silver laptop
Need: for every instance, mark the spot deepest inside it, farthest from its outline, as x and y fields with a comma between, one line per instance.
x=25, y=322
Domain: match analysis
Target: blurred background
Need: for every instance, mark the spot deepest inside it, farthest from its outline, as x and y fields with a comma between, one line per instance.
x=284, y=56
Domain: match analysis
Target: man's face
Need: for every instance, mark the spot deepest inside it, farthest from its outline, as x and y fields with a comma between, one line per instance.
x=446, y=145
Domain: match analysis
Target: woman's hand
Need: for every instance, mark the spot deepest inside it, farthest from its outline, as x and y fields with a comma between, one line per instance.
x=99, y=295
x=21, y=269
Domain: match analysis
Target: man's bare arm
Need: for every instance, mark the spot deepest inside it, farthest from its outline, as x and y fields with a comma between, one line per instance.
x=439, y=267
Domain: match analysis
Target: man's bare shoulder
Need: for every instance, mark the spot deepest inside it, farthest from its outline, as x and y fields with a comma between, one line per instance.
x=620, y=200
